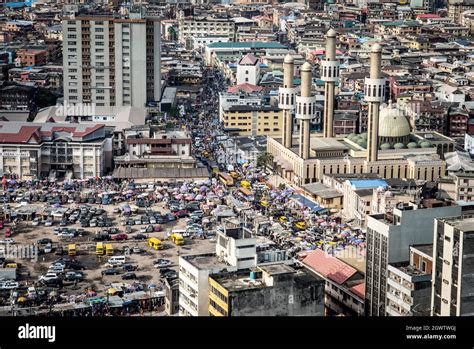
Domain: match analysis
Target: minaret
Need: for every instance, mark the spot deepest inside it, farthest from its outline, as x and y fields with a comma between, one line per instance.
x=329, y=74
x=287, y=100
x=305, y=109
x=374, y=95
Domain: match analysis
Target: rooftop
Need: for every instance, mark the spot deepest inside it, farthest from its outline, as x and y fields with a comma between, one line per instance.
x=247, y=45
x=205, y=261
x=426, y=249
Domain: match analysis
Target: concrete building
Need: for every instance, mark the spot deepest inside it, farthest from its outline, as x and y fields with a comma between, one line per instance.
x=270, y=290
x=344, y=285
x=409, y=284
x=32, y=58
x=157, y=149
x=54, y=150
x=248, y=70
x=459, y=184
x=190, y=27
x=171, y=296
x=453, y=246
x=252, y=120
x=228, y=99
x=388, y=239
x=111, y=61
x=235, y=249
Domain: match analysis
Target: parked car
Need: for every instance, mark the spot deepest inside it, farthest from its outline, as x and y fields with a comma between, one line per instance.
x=129, y=267
x=8, y=285
x=169, y=274
x=76, y=266
x=74, y=276
x=44, y=241
x=162, y=263
x=110, y=271
x=48, y=276
x=119, y=237
x=129, y=276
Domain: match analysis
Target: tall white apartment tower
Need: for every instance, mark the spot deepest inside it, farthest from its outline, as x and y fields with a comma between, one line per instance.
x=112, y=61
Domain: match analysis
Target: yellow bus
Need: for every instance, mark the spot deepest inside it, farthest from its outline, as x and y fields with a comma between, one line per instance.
x=109, y=249
x=177, y=239
x=225, y=178
x=99, y=249
x=245, y=184
x=155, y=243
x=72, y=249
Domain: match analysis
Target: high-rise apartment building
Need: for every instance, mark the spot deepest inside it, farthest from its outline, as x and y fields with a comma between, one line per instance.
x=388, y=239
x=453, y=267
x=111, y=61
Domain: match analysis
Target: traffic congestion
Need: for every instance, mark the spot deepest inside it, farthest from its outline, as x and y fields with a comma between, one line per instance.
x=105, y=246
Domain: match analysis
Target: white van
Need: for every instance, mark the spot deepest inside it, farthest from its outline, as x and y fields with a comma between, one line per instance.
x=116, y=260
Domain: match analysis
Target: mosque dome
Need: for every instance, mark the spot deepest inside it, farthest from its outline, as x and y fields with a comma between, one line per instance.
x=385, y=146
x=362, y=143
x=425, y=144
x=399, y=146
x=393, y=126
x=412, y=145
x=364, y=135
x=393, y=123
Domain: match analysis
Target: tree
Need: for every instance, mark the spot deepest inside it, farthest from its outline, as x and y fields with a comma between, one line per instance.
x=265, y=159
x=172, y=33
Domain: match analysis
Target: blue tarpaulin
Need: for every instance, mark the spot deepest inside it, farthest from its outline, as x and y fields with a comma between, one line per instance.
x=307, y=203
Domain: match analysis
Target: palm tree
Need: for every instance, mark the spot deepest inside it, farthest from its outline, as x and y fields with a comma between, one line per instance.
x=265, y=159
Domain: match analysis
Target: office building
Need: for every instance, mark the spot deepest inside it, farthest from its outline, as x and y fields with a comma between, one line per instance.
x=388, y=239
x=453, y=268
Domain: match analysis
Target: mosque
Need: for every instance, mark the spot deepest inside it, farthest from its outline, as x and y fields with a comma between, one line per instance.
x=389, y=148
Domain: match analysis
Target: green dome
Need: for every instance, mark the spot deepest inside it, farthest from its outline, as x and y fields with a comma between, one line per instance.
x=385, y=146
x=362, y=143
x=363, y=135
x=425, y=144
x=399, y=146
x=412, y=145
x=352, y=135
x=420, y=141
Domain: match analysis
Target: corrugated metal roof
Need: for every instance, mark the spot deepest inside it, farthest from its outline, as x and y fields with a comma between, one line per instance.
x=329, y=266
x=368, y=183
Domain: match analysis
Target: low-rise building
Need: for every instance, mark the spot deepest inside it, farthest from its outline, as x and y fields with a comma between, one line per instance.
x=34, y=150
x=409, y=284
x=270, y=290
x=344, y=285
x=253, y=120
